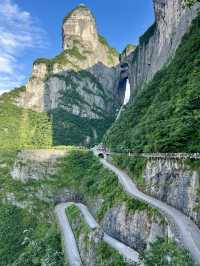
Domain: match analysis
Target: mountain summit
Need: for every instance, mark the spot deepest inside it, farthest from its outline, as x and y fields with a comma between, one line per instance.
x=79, y=27
x=77, y=89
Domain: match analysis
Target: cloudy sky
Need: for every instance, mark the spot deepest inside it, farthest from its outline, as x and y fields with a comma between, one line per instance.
x=32, y=29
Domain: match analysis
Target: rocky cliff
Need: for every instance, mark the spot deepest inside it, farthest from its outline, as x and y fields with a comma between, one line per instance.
x=176, y=183
x=84, y=50
x=77, y=89
x=36, y=164
x=159, y=43
x=136, y=229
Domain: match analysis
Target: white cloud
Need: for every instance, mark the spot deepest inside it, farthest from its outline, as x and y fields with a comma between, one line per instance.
x=18, y=31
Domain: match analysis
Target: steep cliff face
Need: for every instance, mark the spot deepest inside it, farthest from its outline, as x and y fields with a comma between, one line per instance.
x=175, y=183
x=137, y=229
x=84, y=50
x=80, y=26
x=159, y=43
x=36, y=164
x=164, y=116
x=78, y=89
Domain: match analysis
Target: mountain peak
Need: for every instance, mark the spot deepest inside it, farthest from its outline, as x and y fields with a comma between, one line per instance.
x=79, y=26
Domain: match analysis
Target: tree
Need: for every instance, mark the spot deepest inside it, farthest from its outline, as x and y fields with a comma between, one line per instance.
x=190, y=3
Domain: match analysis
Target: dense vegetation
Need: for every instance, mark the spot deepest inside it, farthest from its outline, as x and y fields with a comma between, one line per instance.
x=164, y=252
x=26, y=241
x=165, y=115
x=72, y=129
x=21, y=127
x=28, y=233
x=34, y=225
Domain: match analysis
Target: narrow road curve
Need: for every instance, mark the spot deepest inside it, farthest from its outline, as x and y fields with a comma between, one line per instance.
x=127, y=252
x=71, y=249
x=188, y=232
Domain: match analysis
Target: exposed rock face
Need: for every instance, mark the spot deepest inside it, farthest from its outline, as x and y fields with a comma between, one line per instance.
x=176, y=184
x=80, y=83
x=35, y=164
x=130, y=48
x=85, y=50
x=34, y=96
x=136, y=229
x=160, y=42
x=64, y=195
x=80, y=26
x=87, y=240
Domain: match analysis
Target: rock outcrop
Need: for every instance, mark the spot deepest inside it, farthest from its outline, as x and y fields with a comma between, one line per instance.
x=175, y=183
x=159, y=43
x=36, y=164
x=80, y=26
x=84, y=50
x=79, y=87
x=137, y=229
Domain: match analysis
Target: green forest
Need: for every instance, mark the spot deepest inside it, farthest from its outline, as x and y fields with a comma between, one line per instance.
x=165, y=114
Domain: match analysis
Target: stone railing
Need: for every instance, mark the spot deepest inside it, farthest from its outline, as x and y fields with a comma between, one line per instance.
x=178, y=156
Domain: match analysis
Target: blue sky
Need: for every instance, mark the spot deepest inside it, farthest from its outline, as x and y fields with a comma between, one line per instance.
x=32, y=29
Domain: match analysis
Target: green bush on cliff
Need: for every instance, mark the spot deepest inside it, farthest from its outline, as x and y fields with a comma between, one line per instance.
x=165, y=252
x=21, y=127
x=165, y=115
x=23, y=241
x=133, y=165
x=190, y=3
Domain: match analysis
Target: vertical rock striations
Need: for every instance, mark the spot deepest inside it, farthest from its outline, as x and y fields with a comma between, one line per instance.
x=80, y=26
x=175, y=183
x=84, y=50
x=79, y=83
x=160, y=41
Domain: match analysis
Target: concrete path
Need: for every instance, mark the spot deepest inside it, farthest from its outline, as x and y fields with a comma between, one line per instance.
x=127, y=252
x=188, y=232
x=71, y=249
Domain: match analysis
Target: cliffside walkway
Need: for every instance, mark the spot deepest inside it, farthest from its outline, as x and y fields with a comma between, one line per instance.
x=177, y=156
x=186, y=231
x=71, y=249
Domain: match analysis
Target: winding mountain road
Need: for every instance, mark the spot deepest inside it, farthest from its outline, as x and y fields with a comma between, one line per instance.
x=70, y=246
x=187, y=232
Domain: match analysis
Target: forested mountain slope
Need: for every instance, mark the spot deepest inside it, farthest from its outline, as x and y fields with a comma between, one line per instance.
x=165, y=115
